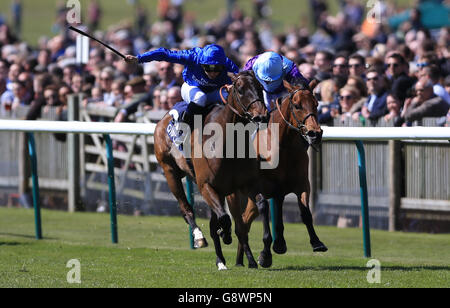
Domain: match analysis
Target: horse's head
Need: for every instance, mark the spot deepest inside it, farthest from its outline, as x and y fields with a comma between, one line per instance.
x=246, y=97
x=303, y=115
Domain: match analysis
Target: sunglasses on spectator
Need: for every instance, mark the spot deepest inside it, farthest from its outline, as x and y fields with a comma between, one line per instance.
x=424, y=64
x=347, y=97
x=49, y=97
x=340, y=65
x=373, y=79
x=355, y=65
x=212, y=68
x=394, y=65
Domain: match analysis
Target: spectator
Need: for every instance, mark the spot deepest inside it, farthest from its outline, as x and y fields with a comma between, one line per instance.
x=173, y=97
x=433, y=74
x=424, y=104
x=447, y=84
x=140, y=97
x=308, y=71
x=106, y=81
x=51, y=98
x=358, y=83
x=357, y=65
x=327, y=101
x=21, y=96
x=117, y=93
x=394, y=106
x=375, y=107
x=94, y=15
x=397, y=69
x=323, y=62
x=349, y=96
x=340, y=67
x=166, y=75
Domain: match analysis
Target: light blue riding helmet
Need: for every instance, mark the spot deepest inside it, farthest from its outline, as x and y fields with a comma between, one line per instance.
x=268, y=69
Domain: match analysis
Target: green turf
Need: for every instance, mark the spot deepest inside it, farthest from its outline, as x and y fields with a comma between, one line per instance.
x=154, y=252
x=39, y=15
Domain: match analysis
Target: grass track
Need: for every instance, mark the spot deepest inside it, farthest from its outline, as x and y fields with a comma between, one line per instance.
x=154, y=252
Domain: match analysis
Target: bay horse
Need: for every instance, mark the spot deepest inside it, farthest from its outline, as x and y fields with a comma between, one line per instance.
x=296, y=116
x=216, y=177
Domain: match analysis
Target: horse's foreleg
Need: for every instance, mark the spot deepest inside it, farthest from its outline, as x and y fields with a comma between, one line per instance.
x=279, y=243
x=303, y=202
x=265, y=257
x=213, y=229
x=176, y=186
x=216, y=203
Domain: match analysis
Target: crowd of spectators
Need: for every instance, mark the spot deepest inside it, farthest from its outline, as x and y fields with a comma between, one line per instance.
x=366, y=70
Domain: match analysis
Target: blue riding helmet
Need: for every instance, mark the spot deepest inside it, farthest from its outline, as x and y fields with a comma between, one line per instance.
x=268, y=69
x=213, y=55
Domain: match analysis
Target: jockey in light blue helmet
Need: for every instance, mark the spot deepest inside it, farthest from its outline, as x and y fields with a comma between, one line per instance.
x=268, y=69
x=271, y=69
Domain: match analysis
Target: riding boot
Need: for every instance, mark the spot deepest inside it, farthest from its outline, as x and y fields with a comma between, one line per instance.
x=191, y=111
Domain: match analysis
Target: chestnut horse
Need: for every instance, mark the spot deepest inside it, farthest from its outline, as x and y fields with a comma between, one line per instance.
x=215, y=177
x=296, y=116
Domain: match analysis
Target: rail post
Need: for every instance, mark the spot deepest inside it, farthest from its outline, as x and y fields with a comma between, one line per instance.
x=364, y=198
x=112, y=189
x=36, y=196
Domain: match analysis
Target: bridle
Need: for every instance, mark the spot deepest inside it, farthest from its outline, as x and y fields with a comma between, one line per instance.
x=300, y=126
x=247, y=115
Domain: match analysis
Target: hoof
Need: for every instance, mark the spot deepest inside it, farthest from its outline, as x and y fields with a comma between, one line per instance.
x=265, y=260
x=239, y=265
x=253, y=265
x=279, y=247
x=221, y=266
x=320, y=247
x=200, y=243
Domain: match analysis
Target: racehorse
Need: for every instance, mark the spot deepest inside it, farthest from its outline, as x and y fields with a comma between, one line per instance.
x=216, y=177
x=296, y=115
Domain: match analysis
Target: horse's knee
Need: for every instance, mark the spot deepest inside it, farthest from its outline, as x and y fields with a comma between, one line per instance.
x=263, y=205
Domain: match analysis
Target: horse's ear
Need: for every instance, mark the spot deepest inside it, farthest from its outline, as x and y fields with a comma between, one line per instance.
x=313, y=84
x=232, y=76
x=288, y=86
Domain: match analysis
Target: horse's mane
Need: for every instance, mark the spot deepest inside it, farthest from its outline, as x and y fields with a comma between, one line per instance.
x=298, y=82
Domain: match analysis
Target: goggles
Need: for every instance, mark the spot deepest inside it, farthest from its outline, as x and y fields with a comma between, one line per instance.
x=212, y=68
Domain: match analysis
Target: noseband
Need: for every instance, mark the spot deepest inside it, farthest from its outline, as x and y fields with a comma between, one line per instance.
x=300, y=126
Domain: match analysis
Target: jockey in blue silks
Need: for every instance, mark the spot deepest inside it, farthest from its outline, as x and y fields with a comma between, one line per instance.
x=271, y=69
x=204, y=74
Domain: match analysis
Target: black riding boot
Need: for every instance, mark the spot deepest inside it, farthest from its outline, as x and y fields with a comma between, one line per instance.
x=191, y=111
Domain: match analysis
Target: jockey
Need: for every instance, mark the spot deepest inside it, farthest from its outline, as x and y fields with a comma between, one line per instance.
x=204, y=74
x=271, y=69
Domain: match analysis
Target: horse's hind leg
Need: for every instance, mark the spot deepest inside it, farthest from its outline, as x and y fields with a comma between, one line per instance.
x=303, y=202
x=234, y=204
x=213, y=230
x=250, y=214
x=176, y=186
